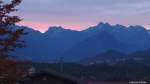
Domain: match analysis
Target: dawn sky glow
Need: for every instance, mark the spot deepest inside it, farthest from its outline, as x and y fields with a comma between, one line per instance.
x=80, y=14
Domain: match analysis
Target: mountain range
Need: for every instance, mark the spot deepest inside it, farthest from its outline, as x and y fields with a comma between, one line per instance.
x=73, y=46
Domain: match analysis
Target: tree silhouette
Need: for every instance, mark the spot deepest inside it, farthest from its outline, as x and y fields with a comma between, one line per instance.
x=9, y=38
x=9, y=41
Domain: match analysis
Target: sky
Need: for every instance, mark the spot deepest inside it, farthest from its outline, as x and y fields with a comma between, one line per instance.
x=80, y=14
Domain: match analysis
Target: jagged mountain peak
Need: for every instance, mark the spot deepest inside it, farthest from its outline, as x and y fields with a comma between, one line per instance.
x=118, y=27
x=59, y=29
x=104, y=24
x=137, y=28
x=55, y=28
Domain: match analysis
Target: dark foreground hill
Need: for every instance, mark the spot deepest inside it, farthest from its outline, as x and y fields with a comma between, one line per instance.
x=101, y=72
x=114, y=57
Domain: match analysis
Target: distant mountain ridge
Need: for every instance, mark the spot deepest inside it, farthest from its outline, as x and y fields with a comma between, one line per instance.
x=73, y=45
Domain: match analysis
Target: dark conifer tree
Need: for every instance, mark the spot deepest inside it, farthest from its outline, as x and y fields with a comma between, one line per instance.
x=9, y=38
x=9, y=41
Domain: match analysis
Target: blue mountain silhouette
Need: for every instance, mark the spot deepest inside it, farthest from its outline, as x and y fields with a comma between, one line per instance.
x=73, y=45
